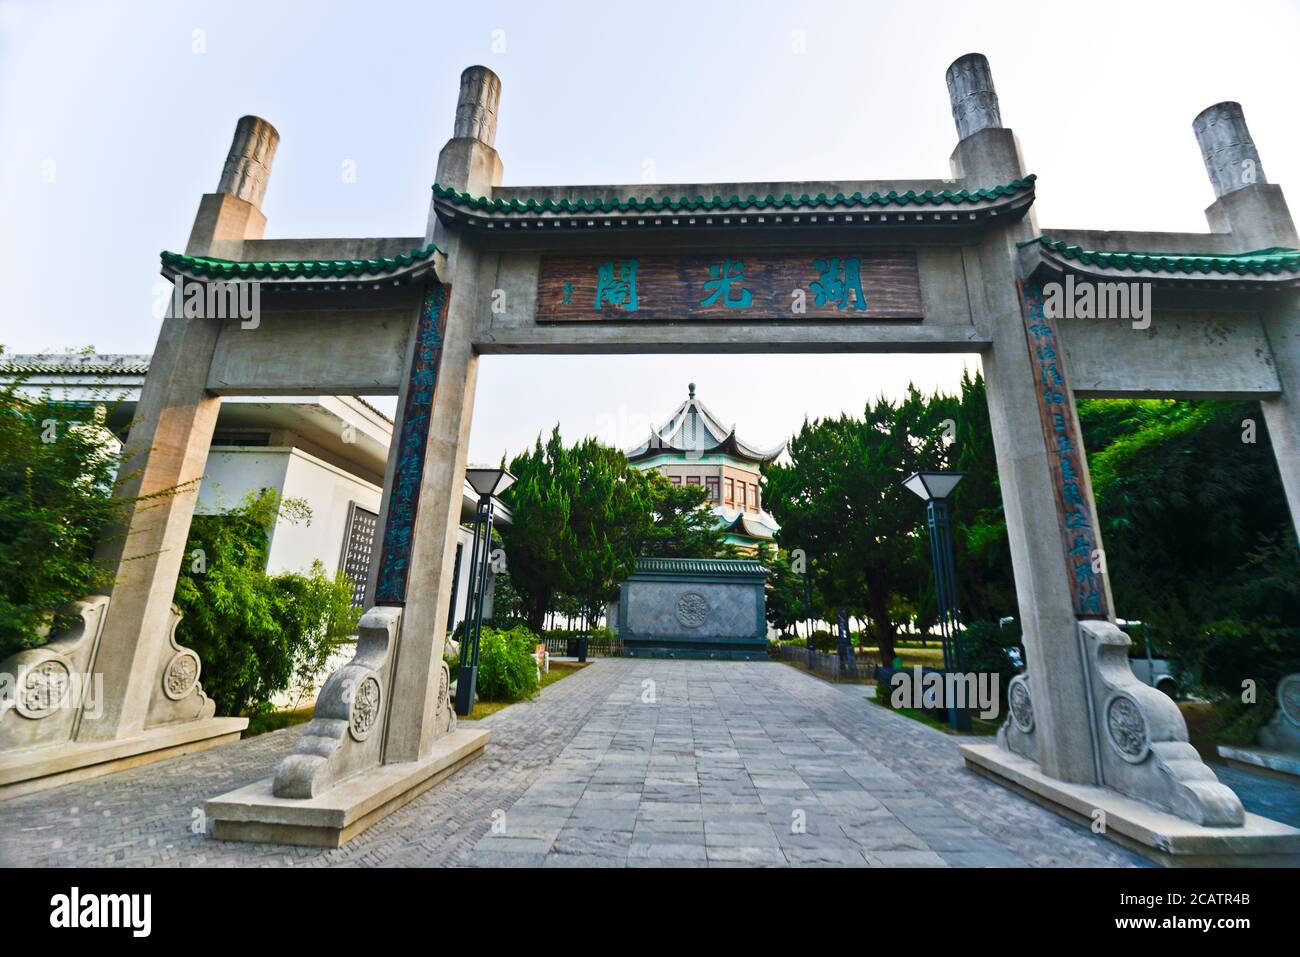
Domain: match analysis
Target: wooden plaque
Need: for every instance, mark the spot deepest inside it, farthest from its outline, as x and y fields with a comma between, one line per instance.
x=836, y=285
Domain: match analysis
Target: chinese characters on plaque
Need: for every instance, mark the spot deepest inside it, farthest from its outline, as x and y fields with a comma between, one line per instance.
x=835, y=285
x=404, y=500
x=1065, y=450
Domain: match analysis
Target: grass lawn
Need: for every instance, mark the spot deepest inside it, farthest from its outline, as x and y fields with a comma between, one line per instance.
x=912, y=656
x=559, y=670
x=980, y=727
x=276, y=720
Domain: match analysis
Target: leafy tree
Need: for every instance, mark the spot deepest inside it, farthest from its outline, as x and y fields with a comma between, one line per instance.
x=506, y=600
x=256, y=633
x=840, y=499
x=684, y=525
x=986, y=588
x=609, y=514
x=535, y=539
x=1197, y=537
x=785, y=589
x=58, y=471
x=578, y=515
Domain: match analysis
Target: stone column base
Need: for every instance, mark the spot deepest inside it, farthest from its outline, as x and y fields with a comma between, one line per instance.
x=331, y=819
x=27, y=770
x=1162, y=837
x=1280, y=764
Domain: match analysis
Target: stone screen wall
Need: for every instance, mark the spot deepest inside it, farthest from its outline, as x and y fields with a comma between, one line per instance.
x=693, y=616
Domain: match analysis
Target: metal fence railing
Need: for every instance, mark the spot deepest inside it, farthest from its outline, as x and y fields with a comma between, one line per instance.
x=854, y=668
x=567, y=646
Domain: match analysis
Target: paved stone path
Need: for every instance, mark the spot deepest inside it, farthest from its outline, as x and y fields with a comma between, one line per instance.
x=760, y=764
x=713, y=771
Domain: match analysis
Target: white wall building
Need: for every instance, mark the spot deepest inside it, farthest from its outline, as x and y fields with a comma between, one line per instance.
x=329, y=451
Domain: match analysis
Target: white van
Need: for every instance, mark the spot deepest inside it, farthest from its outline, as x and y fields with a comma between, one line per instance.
x=1149, y=663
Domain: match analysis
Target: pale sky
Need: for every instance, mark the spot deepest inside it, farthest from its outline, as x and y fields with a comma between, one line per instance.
x=115, y=118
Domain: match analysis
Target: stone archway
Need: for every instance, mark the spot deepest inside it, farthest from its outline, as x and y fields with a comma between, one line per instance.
x=918, y=265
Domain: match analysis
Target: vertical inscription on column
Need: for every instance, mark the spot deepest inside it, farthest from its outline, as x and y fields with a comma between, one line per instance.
x=1074, y=506
x=404, y=500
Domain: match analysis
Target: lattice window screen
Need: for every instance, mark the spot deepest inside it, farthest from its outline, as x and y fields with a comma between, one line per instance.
x=359, y=549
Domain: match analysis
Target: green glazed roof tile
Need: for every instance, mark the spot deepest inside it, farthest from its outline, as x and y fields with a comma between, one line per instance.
x=209, y=268
x=1275, y=260
x=651, y=204
x=707, y=566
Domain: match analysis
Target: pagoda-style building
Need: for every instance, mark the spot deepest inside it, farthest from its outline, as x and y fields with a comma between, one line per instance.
x=694, y=448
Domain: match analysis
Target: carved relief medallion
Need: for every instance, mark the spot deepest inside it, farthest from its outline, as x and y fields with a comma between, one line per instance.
x=181, y=675
x=1126, y=726
x=365, y=708
x=445, y=714
x=692, y=610
x=1018, y=700
x=1288, y=698
x=44, y=688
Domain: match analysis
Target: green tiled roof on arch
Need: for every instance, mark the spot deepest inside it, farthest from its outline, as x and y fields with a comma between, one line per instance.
x=1275, y=260
x=688, y=204
x=206, y=267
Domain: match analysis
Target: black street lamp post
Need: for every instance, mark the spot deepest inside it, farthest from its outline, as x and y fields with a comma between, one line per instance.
x=934, y=488
x=487, y=482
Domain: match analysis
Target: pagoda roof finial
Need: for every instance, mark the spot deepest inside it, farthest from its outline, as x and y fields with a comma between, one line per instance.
x=694, y=429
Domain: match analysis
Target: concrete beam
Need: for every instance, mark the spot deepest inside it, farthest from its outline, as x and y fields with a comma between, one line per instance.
x=339, y=343
x=1185, y=354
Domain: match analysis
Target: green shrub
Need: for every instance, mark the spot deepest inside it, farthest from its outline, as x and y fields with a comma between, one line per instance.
x=507, y=669
x=1227, y=652
x=1239, y=723
x=504, y=622
x=984, y=643
x=826, y=641
x=256, y=633
x=883, y=691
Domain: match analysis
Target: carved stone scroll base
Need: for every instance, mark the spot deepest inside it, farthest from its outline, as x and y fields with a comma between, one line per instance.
x=48, y=695
x=1278, y=750
x=1139, y=735
x=346, y=733
x=1138, y=825
x=335, y=782
x=255, y=813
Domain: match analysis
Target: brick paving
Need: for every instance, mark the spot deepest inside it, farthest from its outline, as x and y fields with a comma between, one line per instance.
x=712, y=769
